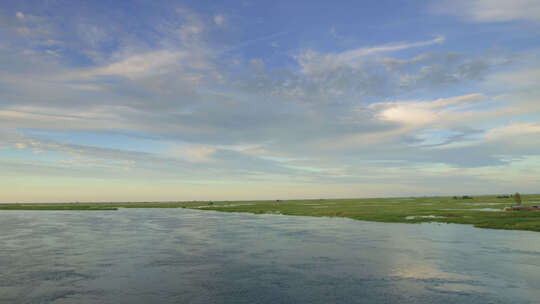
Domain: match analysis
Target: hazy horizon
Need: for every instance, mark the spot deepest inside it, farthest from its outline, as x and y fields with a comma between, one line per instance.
x=459, y=195
x=179, y=101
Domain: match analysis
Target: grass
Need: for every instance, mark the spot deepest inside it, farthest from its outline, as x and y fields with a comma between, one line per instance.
x=396, y=210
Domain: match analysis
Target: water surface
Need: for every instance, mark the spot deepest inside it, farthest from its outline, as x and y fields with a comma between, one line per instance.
x=191, y=256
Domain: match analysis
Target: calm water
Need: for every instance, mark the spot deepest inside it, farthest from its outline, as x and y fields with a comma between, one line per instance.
x=188, y=256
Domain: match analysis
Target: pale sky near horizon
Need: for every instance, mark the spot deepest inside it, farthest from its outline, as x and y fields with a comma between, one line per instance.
x=173, y=100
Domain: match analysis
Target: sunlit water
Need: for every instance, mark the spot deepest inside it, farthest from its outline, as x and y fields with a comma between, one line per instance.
x=190, y=256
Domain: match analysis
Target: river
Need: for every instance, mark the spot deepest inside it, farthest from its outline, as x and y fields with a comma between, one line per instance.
x=192, y=256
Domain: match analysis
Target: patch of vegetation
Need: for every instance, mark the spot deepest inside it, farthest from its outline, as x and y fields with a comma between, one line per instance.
x=480, y=211
x=517, y=198
x=464, y=197
x=55, y=207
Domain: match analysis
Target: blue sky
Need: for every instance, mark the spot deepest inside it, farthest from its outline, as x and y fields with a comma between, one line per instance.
x=171, y=100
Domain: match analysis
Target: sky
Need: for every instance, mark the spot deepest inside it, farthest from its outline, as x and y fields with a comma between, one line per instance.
x=240, y=100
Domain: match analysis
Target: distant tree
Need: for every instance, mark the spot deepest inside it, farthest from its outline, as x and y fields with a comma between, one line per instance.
x=517, y=198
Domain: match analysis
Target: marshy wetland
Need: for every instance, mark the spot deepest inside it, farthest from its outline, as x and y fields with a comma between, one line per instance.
x=480, y=211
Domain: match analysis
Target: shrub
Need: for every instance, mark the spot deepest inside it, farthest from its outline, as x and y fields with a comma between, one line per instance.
x=517, y=198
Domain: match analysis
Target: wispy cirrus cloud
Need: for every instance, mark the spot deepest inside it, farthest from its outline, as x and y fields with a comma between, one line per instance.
x=314, y=62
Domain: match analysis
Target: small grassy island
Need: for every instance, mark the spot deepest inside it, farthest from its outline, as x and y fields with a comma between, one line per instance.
x=480, y=211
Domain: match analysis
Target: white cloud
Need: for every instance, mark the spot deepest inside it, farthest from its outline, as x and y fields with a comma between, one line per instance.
x=519, y=79
x=91, y=34
x=355, y=53
x=313, y=62
x=421, y=113
x=458, y=101
x=219, y=20
x=63, y=118
x=410, y=114
x=19, y=15
x=195, y=154
x=407, y=118
x=492, y=10
x=190, y=31
x=52, y=53
x=200, y=154
x=21, y=146
x=192, y=26
x=140, y=65
x=529, y=131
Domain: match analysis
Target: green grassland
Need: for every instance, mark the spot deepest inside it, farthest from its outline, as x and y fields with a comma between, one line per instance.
x=478, y=211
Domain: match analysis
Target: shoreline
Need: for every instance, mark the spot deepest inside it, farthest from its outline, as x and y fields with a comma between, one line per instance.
x=479, y=211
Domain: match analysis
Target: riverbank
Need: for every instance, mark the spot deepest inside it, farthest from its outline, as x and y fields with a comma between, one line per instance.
x=480, y=211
